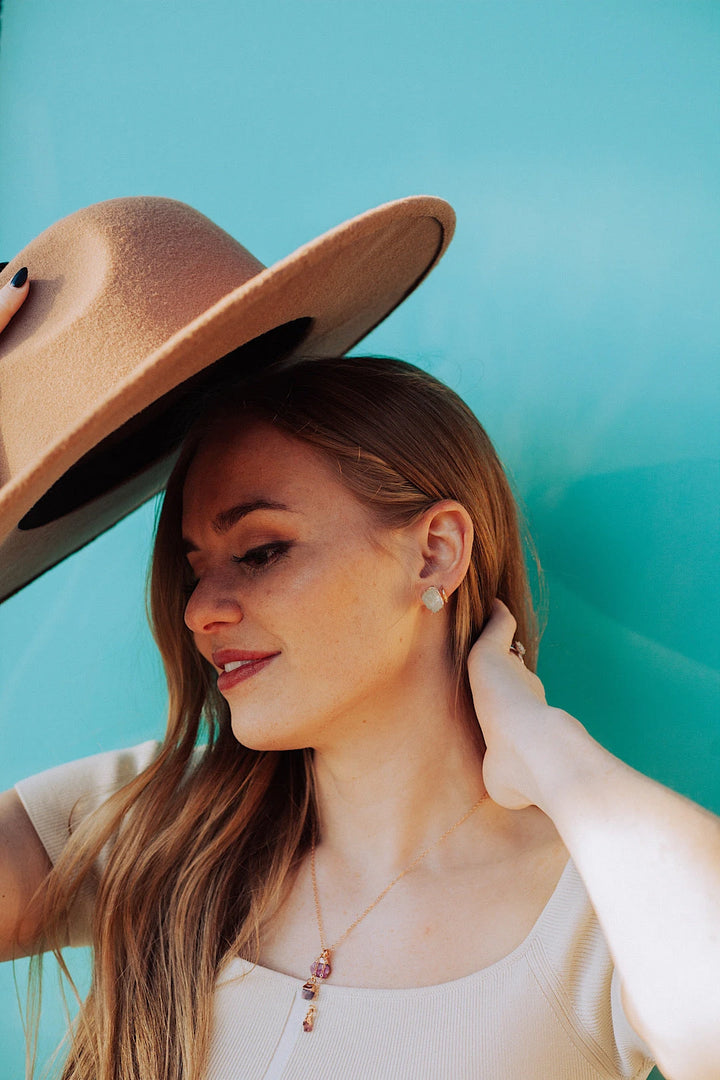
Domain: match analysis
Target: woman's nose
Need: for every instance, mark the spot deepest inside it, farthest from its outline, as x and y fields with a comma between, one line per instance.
x=211, y=605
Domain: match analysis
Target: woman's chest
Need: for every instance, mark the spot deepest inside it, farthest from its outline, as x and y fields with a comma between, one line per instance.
x=424, y=931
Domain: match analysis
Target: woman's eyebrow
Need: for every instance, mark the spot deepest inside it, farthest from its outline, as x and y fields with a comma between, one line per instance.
x=225, y=520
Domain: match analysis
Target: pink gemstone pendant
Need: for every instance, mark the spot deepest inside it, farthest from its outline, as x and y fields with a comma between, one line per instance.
x=320, y=968
x=309, y=1020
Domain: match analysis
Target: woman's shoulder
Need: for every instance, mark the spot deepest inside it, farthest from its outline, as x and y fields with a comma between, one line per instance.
x=59, y=798
x=105, y=771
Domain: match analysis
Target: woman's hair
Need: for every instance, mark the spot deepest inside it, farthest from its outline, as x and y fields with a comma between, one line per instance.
x=206, y=842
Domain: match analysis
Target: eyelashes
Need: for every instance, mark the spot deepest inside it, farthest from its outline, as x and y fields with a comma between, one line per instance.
x=257, y=559
x=253, y=562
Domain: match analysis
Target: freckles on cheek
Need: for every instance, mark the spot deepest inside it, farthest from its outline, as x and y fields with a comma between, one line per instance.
x=332, y=623
x=331, y=604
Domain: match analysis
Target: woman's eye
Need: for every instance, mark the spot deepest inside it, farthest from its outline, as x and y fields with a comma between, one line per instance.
x=260, y=557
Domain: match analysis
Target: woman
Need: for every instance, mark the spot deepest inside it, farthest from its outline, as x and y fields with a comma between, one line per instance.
x=391, y=854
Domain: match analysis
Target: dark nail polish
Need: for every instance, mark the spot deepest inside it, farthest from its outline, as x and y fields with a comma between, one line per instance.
x=20, y=278
x=2, y=266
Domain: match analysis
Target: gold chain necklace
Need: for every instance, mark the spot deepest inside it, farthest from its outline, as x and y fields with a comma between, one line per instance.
x=320, y=969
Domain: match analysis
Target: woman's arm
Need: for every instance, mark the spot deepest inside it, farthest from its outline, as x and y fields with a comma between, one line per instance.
x=24, y=865
x=649, y=858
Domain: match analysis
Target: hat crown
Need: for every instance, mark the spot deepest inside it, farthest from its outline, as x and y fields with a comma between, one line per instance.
x=137, y=307
x=152, y=262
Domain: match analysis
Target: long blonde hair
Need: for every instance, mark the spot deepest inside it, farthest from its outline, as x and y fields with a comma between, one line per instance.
x=204, y=845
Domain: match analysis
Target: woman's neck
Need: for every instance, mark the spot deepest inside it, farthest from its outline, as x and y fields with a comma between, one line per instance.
x=398, y=777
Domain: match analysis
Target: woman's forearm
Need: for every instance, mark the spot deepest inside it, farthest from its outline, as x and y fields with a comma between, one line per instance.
x=650, y=860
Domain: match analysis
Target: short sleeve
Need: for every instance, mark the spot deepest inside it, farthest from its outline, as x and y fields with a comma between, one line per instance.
x=58, y=799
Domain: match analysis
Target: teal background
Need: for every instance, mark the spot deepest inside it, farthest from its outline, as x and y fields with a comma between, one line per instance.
x=576, y=310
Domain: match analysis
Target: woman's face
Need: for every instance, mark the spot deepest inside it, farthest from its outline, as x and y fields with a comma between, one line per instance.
x=311, y=625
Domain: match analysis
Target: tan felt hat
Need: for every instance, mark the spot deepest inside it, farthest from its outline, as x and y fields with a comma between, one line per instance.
x=134, y=306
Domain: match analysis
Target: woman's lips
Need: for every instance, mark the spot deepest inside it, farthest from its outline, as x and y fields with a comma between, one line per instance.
x=239, y=665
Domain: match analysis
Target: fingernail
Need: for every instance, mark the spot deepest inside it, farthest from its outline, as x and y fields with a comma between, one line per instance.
x=2, y=266
x=20, y=278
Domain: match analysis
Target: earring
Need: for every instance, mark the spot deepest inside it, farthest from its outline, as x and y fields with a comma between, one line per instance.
x=434, y=598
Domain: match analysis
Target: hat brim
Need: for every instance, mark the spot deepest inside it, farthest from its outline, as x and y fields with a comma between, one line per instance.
x=320, y=301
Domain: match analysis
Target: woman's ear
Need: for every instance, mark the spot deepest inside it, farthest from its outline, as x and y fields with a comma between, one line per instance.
x=445, y=535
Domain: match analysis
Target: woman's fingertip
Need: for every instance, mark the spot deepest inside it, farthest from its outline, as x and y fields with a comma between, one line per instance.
x=20, y=278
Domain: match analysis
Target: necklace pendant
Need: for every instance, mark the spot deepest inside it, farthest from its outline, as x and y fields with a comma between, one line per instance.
x=321, y=968
x=309, y=1021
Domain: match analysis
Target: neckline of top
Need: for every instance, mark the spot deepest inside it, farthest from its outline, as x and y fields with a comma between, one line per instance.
x=236, y=968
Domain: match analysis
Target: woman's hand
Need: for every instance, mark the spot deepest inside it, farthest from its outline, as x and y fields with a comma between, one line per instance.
x=11, y=298
x=513, y=714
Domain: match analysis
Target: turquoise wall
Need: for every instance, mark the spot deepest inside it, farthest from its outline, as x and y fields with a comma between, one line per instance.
x=576, y=309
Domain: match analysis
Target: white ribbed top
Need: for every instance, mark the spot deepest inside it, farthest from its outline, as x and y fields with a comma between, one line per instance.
x=550, y=1010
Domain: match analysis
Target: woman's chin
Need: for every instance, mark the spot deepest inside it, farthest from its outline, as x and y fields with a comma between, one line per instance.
x=265, y=737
